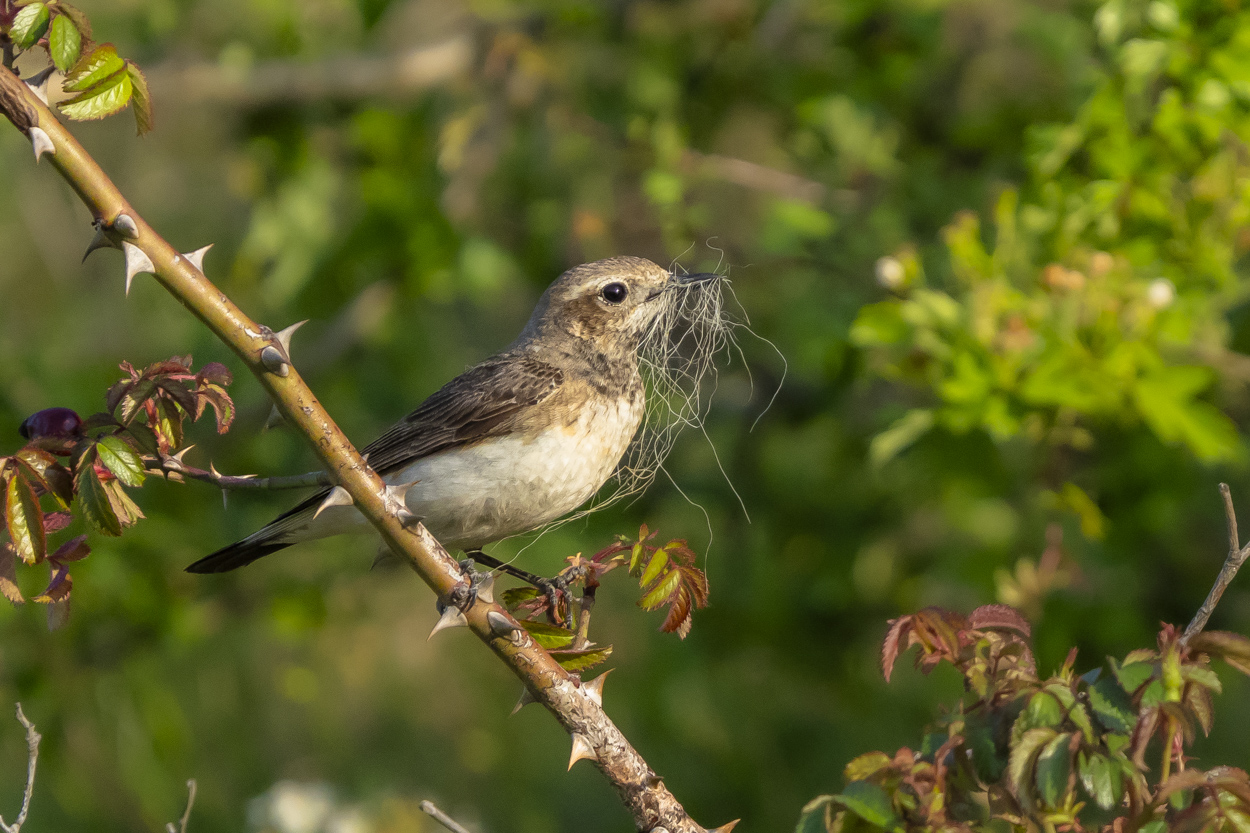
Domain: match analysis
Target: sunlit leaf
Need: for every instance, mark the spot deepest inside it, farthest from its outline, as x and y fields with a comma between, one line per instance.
x=1101, y=779
x=548, y=636
x=659, y=560
x=140, y=97
x=24, y=518
x=582, y=660
x=866, y=765
x=104, y=99
x=29, y=25
x=1054, y=765
x=119, y=458
x=662, y=592
x=99, y=64
x=8, y=575
x=871, y=803
x=64, y=42
x=93, y=499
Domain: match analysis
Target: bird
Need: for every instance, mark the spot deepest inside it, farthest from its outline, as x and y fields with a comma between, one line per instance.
x=522, y=438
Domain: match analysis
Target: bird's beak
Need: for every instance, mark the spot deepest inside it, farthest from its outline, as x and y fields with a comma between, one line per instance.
x=695, y=277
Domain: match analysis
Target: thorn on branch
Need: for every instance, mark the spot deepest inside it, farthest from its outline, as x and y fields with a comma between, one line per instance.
x=99, y=240
x=594, y=688
x=196, y=258
x=338, y=497
x=41, y=142
x=136, y=261
x=452, y=617
x=284, y=336
x=504, y=627
x=125, y=225
x=525, y=699
x=442, y=818
x=581, y=749
x=32, y=751
x=38, y=83
x=273, y=360
x=1237, y=556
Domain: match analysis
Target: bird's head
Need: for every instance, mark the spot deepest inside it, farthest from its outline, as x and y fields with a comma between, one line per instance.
x=612, y=304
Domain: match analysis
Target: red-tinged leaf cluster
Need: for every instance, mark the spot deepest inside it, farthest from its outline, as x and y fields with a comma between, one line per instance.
x=101, y=81
x=1099, y=751
x=666, y=574
x=70, y=466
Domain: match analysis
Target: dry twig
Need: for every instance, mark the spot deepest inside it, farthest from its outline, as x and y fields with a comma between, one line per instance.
x=32, y=752
x=442, y=818
x=1237, y=556
x=186, y=814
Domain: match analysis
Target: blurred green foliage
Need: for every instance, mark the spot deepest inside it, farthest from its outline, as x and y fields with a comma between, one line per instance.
x=1056, y=188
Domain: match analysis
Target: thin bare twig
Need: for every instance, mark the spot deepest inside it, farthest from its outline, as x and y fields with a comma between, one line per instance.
x=1237, y=556
x=32, y=752
x=442, y=818
x=236, y=482
x=186, y=814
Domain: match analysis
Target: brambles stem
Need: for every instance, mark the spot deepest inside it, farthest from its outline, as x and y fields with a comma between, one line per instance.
x=32, y=752
x=1237, y=556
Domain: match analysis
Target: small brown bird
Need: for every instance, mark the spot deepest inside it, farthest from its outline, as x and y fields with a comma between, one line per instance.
x=523, y=438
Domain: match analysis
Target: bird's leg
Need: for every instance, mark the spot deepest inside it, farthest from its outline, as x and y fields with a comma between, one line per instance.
x=551, y=587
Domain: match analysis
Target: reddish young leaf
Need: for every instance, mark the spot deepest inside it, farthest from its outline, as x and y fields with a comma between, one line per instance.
x=75, y=549
x=8, y=575
x=56, y=521
x=999, y=617
x=58, y=588
x=216, y=373
x=1233, y=648
x=892, y=645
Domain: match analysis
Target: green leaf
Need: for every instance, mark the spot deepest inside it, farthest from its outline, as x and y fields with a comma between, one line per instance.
x=1054, y=765
x=814, y=814
x=662, y=592
x=865, y=766
x=582, y=660
x=906, y=430
x=1112, y=706
x=8, y=575
x=1042, y=711
x=1023, y=753
x=119, y=458
x=987, y=760
x=1132, y=674
x=94, y=499
x=1101, y=779
x=548, y=636
x=64, y=43
x=1202, y=676
x=102, y=100
x=141, y=98
x=95, y=67
x=654, y=567
x=1166, y=402
x=25, y=519
x=871, y=803
x=29, y=25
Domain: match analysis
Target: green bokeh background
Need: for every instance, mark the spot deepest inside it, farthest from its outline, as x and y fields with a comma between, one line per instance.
x=414, y=222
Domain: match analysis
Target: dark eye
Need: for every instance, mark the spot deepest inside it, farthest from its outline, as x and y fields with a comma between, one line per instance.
x=614, y=293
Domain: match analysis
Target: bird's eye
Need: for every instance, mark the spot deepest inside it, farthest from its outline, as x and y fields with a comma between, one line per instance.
x=614, y=293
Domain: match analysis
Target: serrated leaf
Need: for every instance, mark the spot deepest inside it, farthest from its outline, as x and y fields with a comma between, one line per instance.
x=223, y=406
x=215, y=372
x=1233, y=648
x=141, y=98
x=815, y=815
x=127, y=511
x=635, y=556
x=119, y=458
x=866, y=765
x=1198, y=702
x=106, y=98
x=548, y=636
x=95, y=67
x=59, y=586
x=582, y=660
x=64, y=43
x=81, y=23
x=168, y=426
x=29, y=25
x=24, y=518
x=1042, y=711
x=94, y=500
x=1101, y=779
x=1023, y=754
x=8, y=575
x=662, y=592
x=513, y=596
x=871, y=803
x=1132, y=675
x=1054, y=765
x=75, y=549
x=659, y=560
x=1204, y=677
x=1000, y=617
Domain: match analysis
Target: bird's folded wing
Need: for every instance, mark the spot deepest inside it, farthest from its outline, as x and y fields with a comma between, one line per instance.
x=482, y=402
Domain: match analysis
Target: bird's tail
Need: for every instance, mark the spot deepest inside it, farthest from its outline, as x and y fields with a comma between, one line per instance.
x=278, y=535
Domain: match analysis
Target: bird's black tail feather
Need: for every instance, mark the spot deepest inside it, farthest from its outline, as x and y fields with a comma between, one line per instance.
x=238, y=554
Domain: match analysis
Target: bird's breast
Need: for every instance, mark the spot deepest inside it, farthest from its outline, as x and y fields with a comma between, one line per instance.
x=506, y=485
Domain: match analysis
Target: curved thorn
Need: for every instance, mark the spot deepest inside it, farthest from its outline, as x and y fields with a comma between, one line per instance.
x=178, y=456
x=99, y=240
x=501, y=625
x=41, y=142
x=452, y=618
x=126, y=225
x=275, y=418
x=525, y=699
x=338, y=497
x=486, y=589
x=273, y=360
x=284, y=336
x=594, y=688
x=581, y=750
x=38, y=83
x=726, y=827
x=407, y=518
x=136, y=261
x=196, y=258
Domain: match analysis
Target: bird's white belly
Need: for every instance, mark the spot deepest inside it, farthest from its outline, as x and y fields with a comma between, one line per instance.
x=503, y=486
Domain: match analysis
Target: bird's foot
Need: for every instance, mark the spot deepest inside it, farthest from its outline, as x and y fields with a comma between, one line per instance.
x=554, y=589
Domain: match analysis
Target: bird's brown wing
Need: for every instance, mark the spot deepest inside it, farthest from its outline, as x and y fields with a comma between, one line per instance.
x=482, y=402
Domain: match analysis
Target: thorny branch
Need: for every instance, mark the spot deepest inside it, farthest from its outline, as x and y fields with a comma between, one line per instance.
x=32, y=752
x=1237, y=556
x=576, y=707
x=173, y=465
